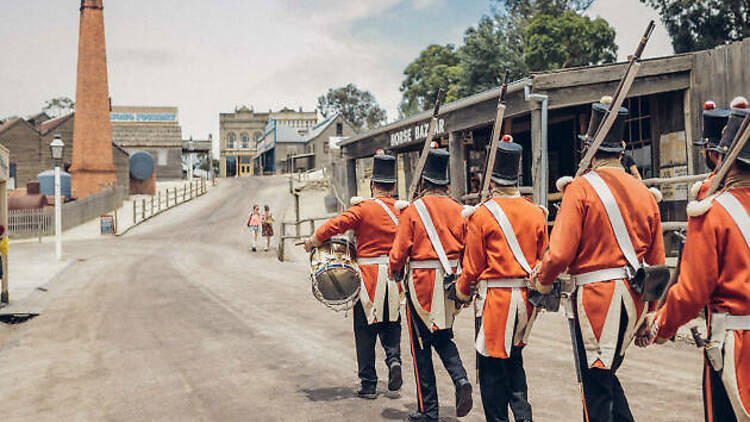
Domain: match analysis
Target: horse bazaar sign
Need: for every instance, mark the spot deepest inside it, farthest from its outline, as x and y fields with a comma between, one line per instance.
x=415, y=133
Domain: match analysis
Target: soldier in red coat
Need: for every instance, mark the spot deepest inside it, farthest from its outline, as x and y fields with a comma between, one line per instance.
x=600, y=248
x=431, y=234
x=376, y=314
x=714, y=274
x=714, y=121
x=507, y=237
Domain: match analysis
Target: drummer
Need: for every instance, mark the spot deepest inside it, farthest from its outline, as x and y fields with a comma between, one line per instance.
x=376, y=314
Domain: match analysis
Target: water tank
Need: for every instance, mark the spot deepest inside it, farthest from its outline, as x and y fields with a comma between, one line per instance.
x=141, y=165
x=47, y=183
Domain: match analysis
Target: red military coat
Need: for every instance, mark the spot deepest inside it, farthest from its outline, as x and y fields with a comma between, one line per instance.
x=412, y=243
x=715, y=272
x=375, y=231
x=507, y=315
x=582, y=240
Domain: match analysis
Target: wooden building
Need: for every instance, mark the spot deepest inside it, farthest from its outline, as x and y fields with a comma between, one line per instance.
x=547, y=110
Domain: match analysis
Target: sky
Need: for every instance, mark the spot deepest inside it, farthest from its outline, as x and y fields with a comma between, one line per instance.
x=207, y=57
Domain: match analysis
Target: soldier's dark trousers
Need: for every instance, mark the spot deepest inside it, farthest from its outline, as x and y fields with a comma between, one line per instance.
x=503, y=383
x=605, y=398
x=364, y=338
x=442, y=342
x=716, y=404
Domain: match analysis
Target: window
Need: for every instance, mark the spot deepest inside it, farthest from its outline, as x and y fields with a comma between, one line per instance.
x=162, y=157
x=12, y=177
x=326, y=146
x=231, y=140
x=339, y=129
x=245, y=140
x=638, y=134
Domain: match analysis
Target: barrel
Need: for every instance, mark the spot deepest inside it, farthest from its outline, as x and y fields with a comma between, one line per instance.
x=141, y=165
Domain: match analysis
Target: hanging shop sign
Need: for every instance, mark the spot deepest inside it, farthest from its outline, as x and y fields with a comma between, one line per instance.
x=414, y=133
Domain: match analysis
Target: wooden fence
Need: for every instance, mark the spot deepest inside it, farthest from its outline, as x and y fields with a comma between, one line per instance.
x=297, y=232
x=144, y=209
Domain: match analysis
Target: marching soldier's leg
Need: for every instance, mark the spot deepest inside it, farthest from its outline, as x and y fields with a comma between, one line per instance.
x=716, y=404
x=424, y=373
x=446, y=348
x=390, y=338
x=364, y=339
x=620, y=406
x=493, y=388
x=518, y=388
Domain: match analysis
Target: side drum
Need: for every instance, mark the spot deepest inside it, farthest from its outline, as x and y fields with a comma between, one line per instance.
x=335, y=275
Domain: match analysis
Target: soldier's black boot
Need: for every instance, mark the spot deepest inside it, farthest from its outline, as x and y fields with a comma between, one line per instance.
x=394, y=377
x=420, y=417
x=367, y=391
x=464, y=401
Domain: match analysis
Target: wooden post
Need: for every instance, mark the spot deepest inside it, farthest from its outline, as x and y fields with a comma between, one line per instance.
x=184, y=192
x=114, y=207
x=312, y=227
x=351, y=179
x=175, y=195
x=143, y=209
x=158, y=201
x=134, y=219
x=687, y=111
x=457, y=166
x=296, y=213
x=539, y=191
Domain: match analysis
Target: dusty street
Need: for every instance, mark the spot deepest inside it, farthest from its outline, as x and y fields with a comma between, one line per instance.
x=179, y=321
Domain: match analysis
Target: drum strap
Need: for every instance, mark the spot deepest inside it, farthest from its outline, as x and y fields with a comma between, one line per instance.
x=737, y=211
x=387, y=211
x=510, y=235
x=429, y=227
x=615, y=217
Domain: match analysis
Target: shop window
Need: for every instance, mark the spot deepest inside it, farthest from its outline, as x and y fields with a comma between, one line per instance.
x=245, y=140
x=231, y=140
x=638, y=134
x=339, y=129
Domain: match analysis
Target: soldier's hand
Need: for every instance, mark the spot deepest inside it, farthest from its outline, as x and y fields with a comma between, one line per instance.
x=308, y=245
x=312, y=242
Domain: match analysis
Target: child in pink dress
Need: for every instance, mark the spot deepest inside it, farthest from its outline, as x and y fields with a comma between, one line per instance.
x=253, y=222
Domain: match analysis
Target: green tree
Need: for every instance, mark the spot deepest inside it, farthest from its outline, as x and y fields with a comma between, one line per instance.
x=436, y=67
x=568, y=40
x=698, y=25
x=358, y=107
x=59, y=106
x=494, y=46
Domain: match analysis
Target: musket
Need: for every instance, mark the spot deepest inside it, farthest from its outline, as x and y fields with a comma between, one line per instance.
x=570, y=316
x=497, y=129
x=738, y=143
x=617, y=99
x=489, y=163
x=676, y=275
x=432, y=129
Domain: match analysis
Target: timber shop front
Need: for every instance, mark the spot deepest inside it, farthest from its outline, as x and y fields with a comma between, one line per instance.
x=547, y=111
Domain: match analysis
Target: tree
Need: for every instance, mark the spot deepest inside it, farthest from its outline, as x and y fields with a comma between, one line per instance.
x=698, y=25
x=532, y=35
x=59, y=106
x=436, y=67
x=358, y=107
x=568, y=40
x=494, y=46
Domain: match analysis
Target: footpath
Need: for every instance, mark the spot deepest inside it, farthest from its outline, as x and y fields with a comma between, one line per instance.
x=32, y=263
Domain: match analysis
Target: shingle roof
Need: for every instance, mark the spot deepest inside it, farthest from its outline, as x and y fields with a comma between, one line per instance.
x=49, y=125
x=316, y=130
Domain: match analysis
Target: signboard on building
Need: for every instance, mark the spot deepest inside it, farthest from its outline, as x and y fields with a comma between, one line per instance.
x=414, y=133
x=142, y=117
x=268, y=140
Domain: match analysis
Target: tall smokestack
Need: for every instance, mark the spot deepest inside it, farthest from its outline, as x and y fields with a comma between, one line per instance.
x=92, y=164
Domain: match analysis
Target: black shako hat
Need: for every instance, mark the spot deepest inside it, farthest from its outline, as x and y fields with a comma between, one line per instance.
x=613, y=141
x=436, y=167
x=507, y=163
x=714, y=120
x=731, y=129
x=383, y=169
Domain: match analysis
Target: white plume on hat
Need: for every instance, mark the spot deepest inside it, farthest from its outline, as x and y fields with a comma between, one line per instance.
x=607, y=99
x=738, y=102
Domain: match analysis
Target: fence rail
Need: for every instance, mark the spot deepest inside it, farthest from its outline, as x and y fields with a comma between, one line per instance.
x=297, y=235
x=144, y=209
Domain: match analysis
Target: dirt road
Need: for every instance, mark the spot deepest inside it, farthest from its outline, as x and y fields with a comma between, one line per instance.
x=179, y=321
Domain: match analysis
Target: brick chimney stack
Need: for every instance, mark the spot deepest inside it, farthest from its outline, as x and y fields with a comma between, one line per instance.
x=92, y=164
